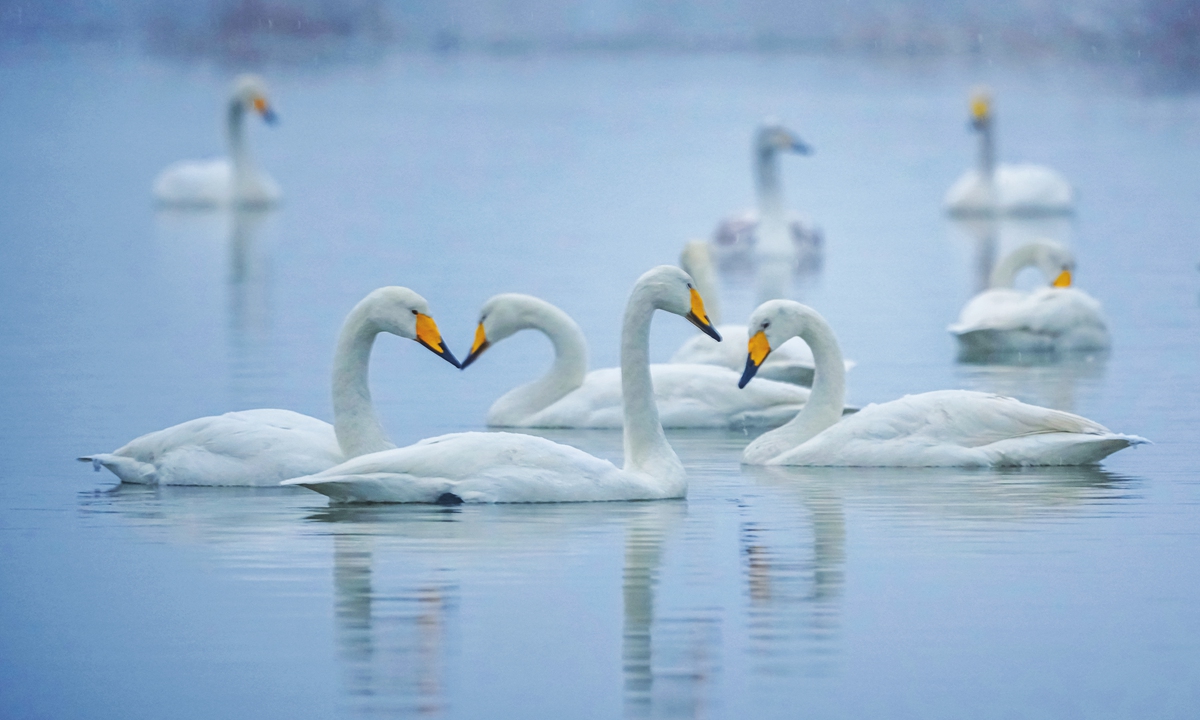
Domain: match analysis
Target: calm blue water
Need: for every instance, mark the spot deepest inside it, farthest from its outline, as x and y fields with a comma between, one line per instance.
x=767, y=593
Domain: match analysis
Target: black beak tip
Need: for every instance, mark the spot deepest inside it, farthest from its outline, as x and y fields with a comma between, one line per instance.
x=749, y=373
x=270, y=117
x=444, y=353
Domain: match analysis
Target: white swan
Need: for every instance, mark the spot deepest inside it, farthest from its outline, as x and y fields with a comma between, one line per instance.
x=224, y=181
x=992, y=189
x=510, y=467
x=263, y=447
x=769, y=232
x=946, y=428
x=792, y=363
x=687, y=396
x=1054, y=318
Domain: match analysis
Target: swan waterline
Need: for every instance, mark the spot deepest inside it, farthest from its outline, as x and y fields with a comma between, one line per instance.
x=229, y=181
x=1003, y=189
x=265, y=446
x=501, y=467
x=947, y=428
x=568, y=396
x=1055, y=318
x=769, y=233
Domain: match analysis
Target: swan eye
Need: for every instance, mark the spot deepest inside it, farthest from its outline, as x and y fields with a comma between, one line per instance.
x=766, y=325
x=415, y=312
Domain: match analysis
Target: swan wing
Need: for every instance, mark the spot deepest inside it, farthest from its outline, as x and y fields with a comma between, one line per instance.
x=251, y=447
x=196, y=183
x=958, y=428
x=484, y=468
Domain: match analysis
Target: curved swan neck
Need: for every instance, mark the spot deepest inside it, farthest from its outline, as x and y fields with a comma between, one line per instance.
x=825, y=403
x=570, y=359
x=1030, y=255
x=646, y=447
x=354, y=421
x=235, y=121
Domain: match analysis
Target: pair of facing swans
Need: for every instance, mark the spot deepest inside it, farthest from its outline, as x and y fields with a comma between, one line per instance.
x=947, y=428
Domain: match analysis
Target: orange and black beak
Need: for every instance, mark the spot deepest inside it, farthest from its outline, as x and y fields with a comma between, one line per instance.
x=268, y=114
x=428, y=335
x=759, y=348
x=481, y=343
x=698, y=317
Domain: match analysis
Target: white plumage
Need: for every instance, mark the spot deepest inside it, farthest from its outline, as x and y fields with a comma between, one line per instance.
x=946, y=428
x=230, y=181
x=509, y=467
x=1048, y=319
x=1000, y=189
x=263, y=447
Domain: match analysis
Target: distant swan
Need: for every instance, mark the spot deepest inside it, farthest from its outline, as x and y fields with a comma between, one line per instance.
x=956, y=428
x=992, y=189
x=510, y=467
x=263, y=447
x=1054, y=318
x=224, y=181
x=770, y=231
x=792, y=363
x=570, y=396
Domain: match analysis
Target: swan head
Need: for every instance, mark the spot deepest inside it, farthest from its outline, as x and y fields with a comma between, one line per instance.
x=773, y=137
x=674, y=291
x=1055, y=261
x=250, y=91
x=772, y=324
x=402, y=312
x=981, y=108
x=501, y=316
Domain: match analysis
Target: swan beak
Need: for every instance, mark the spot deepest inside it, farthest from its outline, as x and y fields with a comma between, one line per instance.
x=800, y=147
x=428, y=335
x=1063, y=280
x=760, y=348
x=481, y=343
x=268, y=115
x=698, y=317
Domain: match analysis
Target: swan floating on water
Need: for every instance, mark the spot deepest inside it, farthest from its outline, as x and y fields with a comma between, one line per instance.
x=231, y=181
x=1004, y=189
x=568, y=396
x=1049, y=319
x=482, y=467
x=769, y=233
x=951, y=428
x=263, y=447
x=791, y=363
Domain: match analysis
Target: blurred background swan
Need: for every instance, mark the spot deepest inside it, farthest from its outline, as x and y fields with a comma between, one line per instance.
x=1004, y=189
x=228, y=181
x=1048, y=319
x=768, y=232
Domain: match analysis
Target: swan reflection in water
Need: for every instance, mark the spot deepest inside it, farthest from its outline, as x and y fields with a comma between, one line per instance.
x=205, y=251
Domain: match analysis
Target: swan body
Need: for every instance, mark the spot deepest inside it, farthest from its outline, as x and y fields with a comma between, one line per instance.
x=264, y=447
x=511, y=467
x=223, y=182
x=991, y=189
x=769, y=233
x=1048, y=319
x=568, y=396
x=955, y=428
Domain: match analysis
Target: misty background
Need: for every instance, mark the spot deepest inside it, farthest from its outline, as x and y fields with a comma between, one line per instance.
x=1165, y=33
